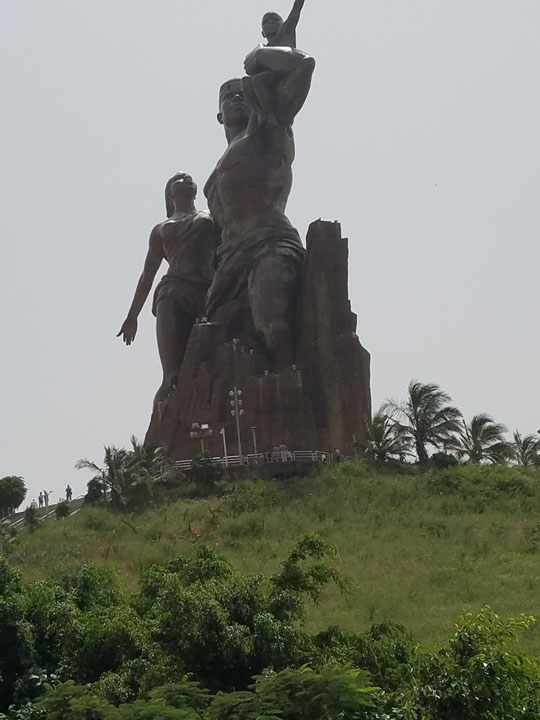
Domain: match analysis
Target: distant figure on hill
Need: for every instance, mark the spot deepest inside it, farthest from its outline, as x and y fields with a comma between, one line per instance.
x=46, y=494
x=33, y=504
x=69, y=493
x=40, y=498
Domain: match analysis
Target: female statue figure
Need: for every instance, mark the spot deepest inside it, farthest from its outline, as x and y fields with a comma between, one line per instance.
x=187, y=240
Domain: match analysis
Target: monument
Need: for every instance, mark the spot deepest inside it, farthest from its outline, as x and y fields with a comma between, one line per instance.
x=249, y=321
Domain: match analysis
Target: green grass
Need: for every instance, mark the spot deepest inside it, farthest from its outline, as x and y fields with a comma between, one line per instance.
x=419, y=549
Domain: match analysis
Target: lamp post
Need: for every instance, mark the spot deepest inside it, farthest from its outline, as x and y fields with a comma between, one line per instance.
x=224, y=437
x=237, y=411
x=254, y=434
x=199, y=432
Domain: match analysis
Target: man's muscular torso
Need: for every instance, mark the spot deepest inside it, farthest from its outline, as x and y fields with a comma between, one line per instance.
x=253, y=179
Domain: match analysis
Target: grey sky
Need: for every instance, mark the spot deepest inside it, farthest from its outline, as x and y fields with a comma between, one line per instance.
x=420, y=136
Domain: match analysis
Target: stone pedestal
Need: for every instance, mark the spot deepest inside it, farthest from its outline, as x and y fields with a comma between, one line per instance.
x=320, y=403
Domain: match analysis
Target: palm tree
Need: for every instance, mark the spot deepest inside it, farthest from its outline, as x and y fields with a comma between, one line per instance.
x=115, y=475
x=385, y=442
x=146, y=458
x=482, y=440
x=527, y=450
x=425, y=418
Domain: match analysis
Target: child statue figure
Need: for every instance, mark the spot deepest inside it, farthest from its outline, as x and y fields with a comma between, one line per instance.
x=258, y=85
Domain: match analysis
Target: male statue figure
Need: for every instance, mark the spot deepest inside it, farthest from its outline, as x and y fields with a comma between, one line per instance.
x=254, y=291
x=187, y=241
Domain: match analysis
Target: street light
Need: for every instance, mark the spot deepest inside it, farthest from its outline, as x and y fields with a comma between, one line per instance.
x=237, y=411
x=254, y=433
x=199, y=432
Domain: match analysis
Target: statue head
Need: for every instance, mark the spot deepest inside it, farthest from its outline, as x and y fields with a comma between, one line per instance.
x=271, y=25
x=180, y=188
x=233, y=108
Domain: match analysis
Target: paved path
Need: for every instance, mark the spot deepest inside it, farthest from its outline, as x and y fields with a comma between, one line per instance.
x=45, y=513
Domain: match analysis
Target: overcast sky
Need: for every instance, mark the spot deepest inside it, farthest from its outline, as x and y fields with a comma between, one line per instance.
x=421, y=135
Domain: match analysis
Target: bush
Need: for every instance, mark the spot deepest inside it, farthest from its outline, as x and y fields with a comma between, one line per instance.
x=62, y=510
x=31, y=518
x=96, y=492
x=205, y=473
x=443, y=461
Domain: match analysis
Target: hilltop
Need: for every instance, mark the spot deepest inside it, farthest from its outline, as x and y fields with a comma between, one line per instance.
x=418, y=548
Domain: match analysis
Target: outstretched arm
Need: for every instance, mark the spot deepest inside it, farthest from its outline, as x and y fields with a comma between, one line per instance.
x=151, y=266
x=294, y=16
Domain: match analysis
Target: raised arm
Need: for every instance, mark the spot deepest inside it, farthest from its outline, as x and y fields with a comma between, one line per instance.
x=294, y=16
x=292, y=70
x=153, y=260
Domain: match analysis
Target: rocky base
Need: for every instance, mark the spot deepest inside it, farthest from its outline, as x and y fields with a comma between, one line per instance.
x=321, y=403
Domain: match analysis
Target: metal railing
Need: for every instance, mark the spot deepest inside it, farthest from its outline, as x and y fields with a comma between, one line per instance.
x=281, y=456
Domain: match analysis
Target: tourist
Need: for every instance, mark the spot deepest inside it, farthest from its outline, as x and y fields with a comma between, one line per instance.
x=40, y=498
x=69, y=493
x=46, y=494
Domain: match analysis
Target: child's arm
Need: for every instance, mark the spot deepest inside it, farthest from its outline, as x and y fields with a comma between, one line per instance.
x=291, y=22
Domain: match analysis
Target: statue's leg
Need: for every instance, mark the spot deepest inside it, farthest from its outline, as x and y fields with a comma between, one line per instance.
x=173, y=328
x=273, y=291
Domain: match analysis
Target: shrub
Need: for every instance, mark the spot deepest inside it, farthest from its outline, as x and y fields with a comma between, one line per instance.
x=206, y=472
x=62, y=510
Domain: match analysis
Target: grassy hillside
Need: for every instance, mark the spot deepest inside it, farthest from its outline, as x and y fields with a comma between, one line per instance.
x=418, y=549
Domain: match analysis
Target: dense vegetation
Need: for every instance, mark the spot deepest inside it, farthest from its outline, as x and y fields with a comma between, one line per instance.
x=144, y=616
x=195, y=598
x=201, y=640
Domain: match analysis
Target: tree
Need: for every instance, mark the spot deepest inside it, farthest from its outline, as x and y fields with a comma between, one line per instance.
x=12, y=493
x=385, y=442
x=482, y=440
x=527, y=450
x=127, y=474
x=113, y=474
x=425, y=418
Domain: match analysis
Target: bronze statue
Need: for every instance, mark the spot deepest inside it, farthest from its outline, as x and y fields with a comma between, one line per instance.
x=261, y=254
x=187, y=241
x=278, y=33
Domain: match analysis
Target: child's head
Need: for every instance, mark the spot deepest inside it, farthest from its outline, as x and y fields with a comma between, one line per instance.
x=271, y=24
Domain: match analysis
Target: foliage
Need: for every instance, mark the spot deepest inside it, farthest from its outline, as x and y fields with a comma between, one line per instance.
x=527, y=450
x=16, y=651
x=303, y=694
x=62, y=510
x=385, y=442
x=482, y=440
x=96, y=491
x=443, y=461
x=128, y=475
x=12, y=494
x=424, y=418
x=31, y=518
x=206, y=473
x=478, y=676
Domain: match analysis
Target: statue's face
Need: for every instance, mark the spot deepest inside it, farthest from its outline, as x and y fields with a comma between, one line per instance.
x=233, y=106
x=183, y=186
x=271, y=25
